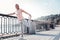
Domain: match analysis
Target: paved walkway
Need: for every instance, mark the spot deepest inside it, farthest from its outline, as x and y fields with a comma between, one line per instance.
x=53, y=34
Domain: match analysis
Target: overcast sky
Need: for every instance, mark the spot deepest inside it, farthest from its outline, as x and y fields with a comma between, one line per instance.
x=36, y=8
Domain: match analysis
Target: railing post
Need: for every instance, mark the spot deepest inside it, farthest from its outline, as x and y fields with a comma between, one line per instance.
x=9, y=25
x=14, y=25
x=4, y=25
x=17, y=25
x=1, y=25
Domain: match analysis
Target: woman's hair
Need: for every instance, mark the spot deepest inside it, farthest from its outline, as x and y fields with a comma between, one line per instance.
x=16, y=4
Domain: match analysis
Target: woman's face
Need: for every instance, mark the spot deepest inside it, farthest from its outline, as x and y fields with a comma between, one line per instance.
x=17, y=6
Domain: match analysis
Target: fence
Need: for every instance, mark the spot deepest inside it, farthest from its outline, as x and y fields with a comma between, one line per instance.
x=8, y=24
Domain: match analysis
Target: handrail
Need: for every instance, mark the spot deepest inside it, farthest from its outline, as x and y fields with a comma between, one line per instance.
x=9, y=25
x=7, y=15
x=11, y=16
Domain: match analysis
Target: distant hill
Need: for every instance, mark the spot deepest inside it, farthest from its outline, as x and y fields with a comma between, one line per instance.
x=51, y=17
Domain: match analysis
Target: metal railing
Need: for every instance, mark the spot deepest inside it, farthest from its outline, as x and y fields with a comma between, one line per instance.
x=11, y=25
x=8, y=24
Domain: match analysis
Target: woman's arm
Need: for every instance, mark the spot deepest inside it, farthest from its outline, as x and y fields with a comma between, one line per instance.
x=11, y=14
x=26, y=13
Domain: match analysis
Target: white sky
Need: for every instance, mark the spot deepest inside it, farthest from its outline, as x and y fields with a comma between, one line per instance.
x=36, y=8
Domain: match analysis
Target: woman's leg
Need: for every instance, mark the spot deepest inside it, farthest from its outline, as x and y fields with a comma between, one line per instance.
x=22, y=28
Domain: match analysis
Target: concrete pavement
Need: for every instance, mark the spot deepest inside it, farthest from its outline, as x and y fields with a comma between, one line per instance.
x=53, y=34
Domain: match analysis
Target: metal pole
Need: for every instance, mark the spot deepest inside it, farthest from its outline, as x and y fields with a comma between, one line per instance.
x=11, y=25
x=6, y=26
x=14, y=24
x=1, y=25
x=18, y=25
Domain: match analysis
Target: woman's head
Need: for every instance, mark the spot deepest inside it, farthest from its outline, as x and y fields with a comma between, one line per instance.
x=17, y=6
